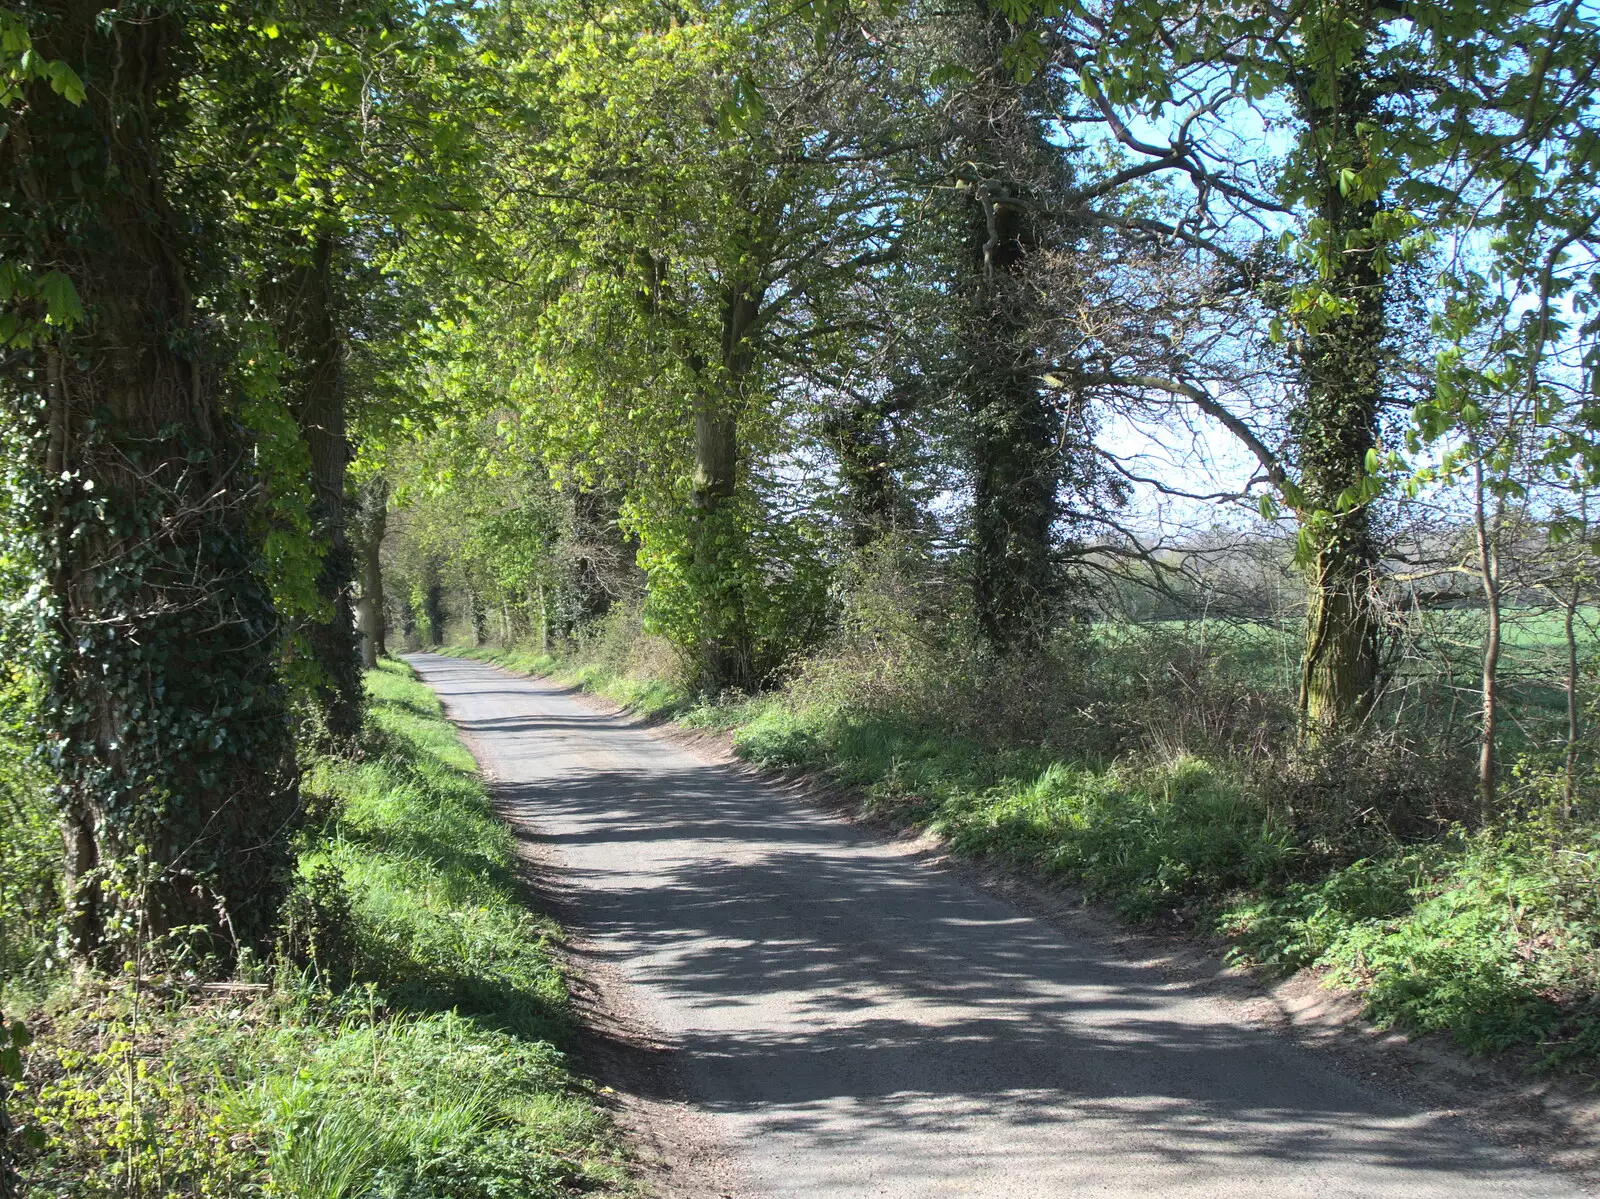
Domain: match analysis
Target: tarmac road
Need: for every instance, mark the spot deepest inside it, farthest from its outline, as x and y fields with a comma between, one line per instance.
x=854, y=1024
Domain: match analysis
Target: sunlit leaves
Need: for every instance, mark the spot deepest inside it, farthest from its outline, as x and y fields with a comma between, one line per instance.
x=20, y=63
x=34, y=303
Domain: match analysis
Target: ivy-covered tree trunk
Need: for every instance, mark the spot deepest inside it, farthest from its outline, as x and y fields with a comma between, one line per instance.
x=1015, y=469
x=1013, y=427
x=162, y=711
x=1334, y=424
x=433, y=611
x=370, y=611
x=408, y=621
x=309, y=333
x=477, y=616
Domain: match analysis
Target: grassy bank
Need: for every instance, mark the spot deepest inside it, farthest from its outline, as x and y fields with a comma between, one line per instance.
x=415, y=1056
x=1351, y=860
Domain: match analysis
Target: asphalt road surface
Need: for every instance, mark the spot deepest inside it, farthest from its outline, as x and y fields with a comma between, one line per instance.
x=854, y=1024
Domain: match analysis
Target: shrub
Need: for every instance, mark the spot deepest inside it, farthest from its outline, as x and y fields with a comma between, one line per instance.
x=317, y=928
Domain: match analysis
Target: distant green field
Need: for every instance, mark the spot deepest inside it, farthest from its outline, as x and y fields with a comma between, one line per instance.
x=1434, y=660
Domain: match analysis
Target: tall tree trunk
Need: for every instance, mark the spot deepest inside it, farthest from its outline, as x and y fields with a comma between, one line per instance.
x=309, y=332
x=1489, y=577
x=370, y=606
x=725, y=652
x=162, y=710
x=433, y=611
x=1013, y=426
x=1013, y=430
x=1569, y=787
x=478, y=616
x=1334, y=424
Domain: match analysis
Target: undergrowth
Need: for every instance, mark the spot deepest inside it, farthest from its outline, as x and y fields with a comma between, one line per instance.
x=30, y=860
x=1134, y=771
x=403, y=1048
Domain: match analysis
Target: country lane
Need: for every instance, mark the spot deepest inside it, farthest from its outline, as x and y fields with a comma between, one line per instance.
x=854, y=1024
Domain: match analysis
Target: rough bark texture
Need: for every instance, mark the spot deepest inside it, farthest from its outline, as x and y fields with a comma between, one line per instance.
x=1335, y=422
x=309, y=332
x=725, y=653
x=370, y=616
x=1015, y=463
x=716, y=452
x=162, y=710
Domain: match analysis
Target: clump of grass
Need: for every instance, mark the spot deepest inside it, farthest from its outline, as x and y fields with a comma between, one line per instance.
x=1492, y=937
x=429, y=1105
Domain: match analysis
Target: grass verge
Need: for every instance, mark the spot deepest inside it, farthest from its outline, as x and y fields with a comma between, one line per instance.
x=1491, y=936
x=415, y=1058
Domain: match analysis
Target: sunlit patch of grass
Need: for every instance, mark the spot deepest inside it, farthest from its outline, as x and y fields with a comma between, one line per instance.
x=437, y=1105
x=1489, y=937
x=428, y=867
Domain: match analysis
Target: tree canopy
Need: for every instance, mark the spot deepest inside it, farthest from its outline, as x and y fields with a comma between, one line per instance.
x=705, y=312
